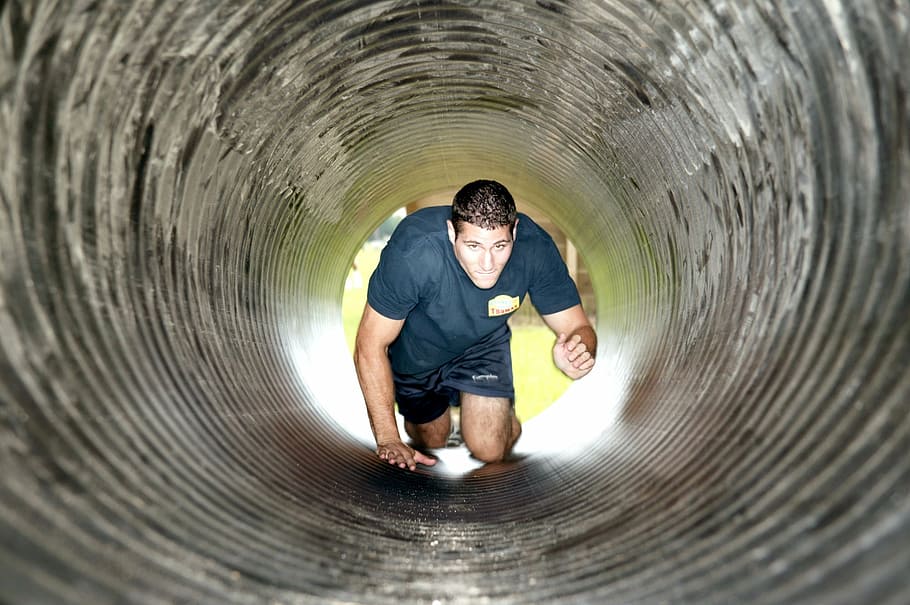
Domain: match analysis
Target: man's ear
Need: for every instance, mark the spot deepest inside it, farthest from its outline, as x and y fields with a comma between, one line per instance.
x=451, y=229
x=515, y=230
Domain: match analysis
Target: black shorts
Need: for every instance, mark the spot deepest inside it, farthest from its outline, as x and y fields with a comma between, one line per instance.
x=483, y=369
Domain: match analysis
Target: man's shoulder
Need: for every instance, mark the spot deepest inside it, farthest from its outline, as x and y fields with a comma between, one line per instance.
x=418, y=237
x=432, y=212
x=530, y=232
x=421, y=230
x=431, y=218
x=424, y=220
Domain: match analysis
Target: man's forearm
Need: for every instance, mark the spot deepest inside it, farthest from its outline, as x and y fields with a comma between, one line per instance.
x=374, y=372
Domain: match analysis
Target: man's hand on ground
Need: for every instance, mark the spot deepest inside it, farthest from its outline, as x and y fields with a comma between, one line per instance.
x=571, y=356
x=398, y=452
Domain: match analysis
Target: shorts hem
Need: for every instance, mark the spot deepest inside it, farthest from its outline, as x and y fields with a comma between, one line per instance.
x=422, y=421
x=483, y=392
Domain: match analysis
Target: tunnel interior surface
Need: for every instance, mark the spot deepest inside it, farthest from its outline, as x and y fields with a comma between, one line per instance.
x=183, y=187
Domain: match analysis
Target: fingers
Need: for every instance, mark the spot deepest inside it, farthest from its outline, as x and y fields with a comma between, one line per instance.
x=577, y=352
x=403, y=456
x=586, y=364
x=579, y=362
x=570, y=345
x=424, y=459
x=404, y=459
x=572, y=357
x=396, y=454
x=576, y=372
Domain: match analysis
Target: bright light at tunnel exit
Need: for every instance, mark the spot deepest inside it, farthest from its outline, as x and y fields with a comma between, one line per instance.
x=538, y=384
x=549, y=404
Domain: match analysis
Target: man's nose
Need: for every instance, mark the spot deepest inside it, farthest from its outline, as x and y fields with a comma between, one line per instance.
x=486, y=260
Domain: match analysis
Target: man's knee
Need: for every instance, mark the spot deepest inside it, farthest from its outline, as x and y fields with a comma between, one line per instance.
x=488, y=452
x=489, y=426
x=434, y=440
x=433, y=434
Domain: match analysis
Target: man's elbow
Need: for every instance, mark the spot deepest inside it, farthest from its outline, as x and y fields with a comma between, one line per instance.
x=360, y=355
x=366, y=353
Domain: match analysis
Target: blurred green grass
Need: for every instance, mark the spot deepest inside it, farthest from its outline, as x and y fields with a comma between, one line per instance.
x=537, y=381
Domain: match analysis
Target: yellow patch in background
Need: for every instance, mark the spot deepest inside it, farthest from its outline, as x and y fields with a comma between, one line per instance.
x=502, y=305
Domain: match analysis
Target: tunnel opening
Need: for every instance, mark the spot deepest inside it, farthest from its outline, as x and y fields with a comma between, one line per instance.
x=183, y=190
x=538, y=383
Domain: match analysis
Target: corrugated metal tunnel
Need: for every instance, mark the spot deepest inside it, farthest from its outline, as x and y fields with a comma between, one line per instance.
x=183, y=187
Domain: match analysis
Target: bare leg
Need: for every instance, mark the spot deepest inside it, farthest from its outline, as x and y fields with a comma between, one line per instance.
x=489, y=426
x=431, y=434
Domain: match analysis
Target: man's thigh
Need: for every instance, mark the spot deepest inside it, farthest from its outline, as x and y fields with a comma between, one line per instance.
x=483, y=369
x=486, y=420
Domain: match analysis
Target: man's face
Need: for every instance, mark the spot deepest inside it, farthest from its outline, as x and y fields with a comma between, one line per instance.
x=482, y=253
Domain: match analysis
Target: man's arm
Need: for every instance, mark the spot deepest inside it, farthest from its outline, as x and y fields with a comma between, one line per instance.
x=374, y=372
x=576, y=342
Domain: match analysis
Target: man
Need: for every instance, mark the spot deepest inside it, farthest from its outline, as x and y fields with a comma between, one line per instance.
x=434, y=331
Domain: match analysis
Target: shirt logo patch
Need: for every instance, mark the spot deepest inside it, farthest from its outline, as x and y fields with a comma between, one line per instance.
x=502, y=305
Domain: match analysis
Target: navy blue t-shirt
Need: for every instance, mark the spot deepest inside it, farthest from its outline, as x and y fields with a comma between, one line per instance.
x=418, y=279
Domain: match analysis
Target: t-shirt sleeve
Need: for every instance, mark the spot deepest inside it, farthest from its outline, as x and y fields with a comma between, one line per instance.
x=393, y=290
x=552, y=289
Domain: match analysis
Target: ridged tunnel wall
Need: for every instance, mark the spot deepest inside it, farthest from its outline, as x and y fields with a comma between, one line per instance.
x=183, y=187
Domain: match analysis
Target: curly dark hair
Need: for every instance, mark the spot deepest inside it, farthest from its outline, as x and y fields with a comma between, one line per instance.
x=485, y=204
